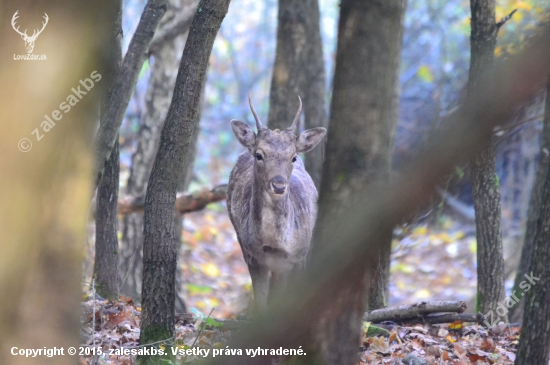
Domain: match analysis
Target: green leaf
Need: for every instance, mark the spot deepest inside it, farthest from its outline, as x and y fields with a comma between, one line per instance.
x=144, y=69
x=459, y=172
x=425, y=73
x=212, y=322
x=198, y=289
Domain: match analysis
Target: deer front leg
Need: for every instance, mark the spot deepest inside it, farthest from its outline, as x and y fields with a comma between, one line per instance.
x=260, y=285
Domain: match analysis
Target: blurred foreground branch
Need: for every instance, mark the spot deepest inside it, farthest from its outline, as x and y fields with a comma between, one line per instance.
x=350, y=239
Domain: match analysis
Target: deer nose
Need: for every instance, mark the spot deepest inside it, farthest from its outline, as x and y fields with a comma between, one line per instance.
x=278, y=184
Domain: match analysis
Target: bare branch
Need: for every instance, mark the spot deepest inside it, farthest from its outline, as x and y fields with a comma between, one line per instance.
x=505, y=19
x=185, y=203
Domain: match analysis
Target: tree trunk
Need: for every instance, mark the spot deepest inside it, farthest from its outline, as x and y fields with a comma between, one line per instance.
x=45, y=182
x=125, y=82
x=315, y=96
x=299, y=70
x=486, y=194
x=358, y=151
x=183, y=185
x=534, y=344
x=159, y=251
x=533, y=214
x=157, y=99
x=106, y=223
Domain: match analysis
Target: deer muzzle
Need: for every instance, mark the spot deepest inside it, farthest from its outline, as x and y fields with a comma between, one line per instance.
x=278, y=185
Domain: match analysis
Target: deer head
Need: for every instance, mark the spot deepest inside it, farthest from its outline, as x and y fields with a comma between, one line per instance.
x=29, y=40
x=275, y=152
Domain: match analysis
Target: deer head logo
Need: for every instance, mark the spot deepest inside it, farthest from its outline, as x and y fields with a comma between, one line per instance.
x=29, y=40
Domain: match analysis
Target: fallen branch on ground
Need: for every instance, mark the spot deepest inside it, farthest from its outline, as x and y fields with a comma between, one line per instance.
x=418, y=310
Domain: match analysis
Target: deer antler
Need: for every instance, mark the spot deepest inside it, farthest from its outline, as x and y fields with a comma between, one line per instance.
x=13, y=19
x=294, y=124
x=35, y=34
x=259, y=124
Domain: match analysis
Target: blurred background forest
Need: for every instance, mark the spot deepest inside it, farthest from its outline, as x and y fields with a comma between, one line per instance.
x=433, y=259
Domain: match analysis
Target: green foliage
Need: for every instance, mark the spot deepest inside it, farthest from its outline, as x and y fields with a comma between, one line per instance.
x=154, y=334
x=425, y=73
x=144, y=69
x=212, y=322
x=198, y=289
x=459, y=172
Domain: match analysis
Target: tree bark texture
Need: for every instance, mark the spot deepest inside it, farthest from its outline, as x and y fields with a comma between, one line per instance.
x=106, y=223
x=159, y=251
x=46, y=187
x=534, y=344
x=299, y=69
x=125, y=82
x=183, y=185
x=106, y=237
x=486, y=194
x=157, y=101
x=358, y=152
x=533, y=214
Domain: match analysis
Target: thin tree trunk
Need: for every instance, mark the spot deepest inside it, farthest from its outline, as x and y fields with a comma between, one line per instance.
x=534, y=344
x=315, y=95
x=299, y=70
x=533, y=214
x=159, y=251
x=106, y=223
x=358, y=152
x=183, y=185
x=490, y=261
x=157, y=99
x=125, y=82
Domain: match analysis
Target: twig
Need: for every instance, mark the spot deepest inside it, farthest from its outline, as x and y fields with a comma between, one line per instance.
x=200, y=332
x=505, y=19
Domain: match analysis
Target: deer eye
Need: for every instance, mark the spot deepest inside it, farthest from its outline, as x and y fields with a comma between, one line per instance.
x=294, y=159
x=259, y=157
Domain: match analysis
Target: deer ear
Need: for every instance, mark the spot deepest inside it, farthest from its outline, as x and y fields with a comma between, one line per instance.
x=244, y=134
x=309, y=139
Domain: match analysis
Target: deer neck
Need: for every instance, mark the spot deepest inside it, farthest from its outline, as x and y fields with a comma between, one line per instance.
x=271, y=216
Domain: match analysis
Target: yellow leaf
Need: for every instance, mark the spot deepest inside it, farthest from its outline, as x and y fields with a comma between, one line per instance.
x=425, y=73
x=422, y=294
x=211, y=270
x=498, y=51
x=420, y=231
x=456, y=325
x=459, y=234
x=450, y=338
x=214, y=302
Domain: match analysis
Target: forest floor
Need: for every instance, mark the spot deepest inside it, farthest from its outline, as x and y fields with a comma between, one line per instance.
x=435, y=262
